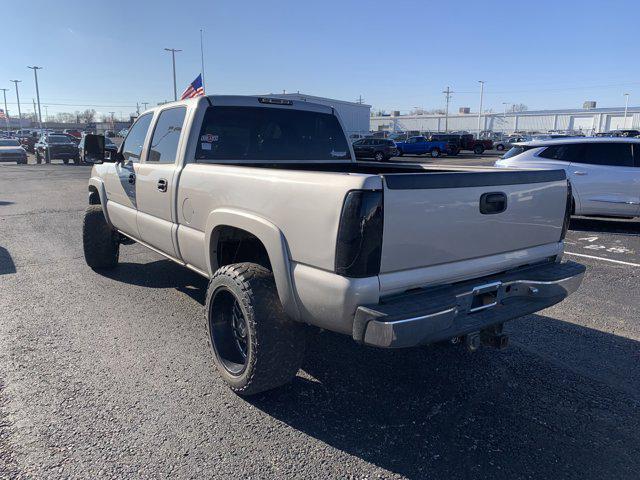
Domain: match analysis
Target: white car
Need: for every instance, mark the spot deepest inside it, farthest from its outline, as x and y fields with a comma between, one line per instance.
x=604, y=172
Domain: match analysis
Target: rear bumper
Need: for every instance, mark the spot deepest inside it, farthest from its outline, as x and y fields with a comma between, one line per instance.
x=440, y=313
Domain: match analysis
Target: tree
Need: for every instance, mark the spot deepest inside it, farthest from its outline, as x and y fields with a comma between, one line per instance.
x=88, y=116
x=65, y=117
x=518, y=107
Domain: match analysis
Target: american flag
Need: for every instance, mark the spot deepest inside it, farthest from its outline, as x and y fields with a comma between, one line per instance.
x=195, y=89
x=2, y=115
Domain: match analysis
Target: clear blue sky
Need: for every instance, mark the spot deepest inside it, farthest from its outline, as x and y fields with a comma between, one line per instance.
x=396, y=54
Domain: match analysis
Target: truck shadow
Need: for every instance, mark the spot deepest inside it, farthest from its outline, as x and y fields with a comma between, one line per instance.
x=560, y=402
x=537, y=411
x=7, y=266
x=161, y=274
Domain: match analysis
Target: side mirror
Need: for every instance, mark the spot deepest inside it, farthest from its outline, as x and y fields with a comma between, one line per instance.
x=94, y=148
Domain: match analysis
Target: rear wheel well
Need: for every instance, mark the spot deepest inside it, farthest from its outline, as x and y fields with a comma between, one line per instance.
x=231, y=245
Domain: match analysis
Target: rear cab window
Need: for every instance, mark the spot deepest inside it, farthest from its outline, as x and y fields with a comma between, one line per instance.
x=270, y=134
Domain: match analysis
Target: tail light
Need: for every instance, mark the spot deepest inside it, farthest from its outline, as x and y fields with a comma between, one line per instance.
x=567, y=211
x=359, y=244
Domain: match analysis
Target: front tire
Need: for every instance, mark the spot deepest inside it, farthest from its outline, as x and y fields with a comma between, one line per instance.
x=256, y=347
x=378, y=157
x=478, y=149
x=99, y=240
x=435, y=153
x=500, y=147
x=400, y=153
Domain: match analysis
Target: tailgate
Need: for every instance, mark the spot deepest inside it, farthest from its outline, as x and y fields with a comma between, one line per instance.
x=435, y=218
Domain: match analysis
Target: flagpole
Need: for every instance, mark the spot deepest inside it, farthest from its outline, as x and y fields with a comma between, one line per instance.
x=202, y=61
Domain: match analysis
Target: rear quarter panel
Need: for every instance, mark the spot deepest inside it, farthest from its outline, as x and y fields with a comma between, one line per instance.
x=305, y=206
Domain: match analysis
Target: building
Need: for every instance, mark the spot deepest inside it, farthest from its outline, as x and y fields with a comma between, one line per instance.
x=588, y=121
x=355, y=116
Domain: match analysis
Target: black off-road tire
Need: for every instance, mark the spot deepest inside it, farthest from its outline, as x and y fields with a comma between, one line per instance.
x=274, y=344
x=478, y=149
x=99, y=240
x=76, y=160
x=65, y=161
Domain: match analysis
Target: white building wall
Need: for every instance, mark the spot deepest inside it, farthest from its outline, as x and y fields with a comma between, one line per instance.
x=588, y=121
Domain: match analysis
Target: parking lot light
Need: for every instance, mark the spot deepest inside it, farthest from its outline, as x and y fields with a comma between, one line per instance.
x=16, y=82
x=35, y=74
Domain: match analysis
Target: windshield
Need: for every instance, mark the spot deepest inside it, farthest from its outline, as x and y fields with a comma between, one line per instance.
x=9, y=143
x=272, y=134
x=58, y=139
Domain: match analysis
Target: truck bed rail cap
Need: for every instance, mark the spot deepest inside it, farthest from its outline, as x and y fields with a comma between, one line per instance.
x=413, y=181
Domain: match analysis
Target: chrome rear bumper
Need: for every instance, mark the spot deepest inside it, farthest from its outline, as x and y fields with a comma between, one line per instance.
x=440, y=313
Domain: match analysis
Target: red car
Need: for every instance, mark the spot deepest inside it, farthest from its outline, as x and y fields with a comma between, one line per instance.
x=74, y=133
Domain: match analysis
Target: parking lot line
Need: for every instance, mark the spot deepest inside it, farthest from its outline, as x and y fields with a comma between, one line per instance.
x=604, y=259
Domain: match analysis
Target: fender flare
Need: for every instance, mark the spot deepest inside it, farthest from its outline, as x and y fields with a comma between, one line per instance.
x=98, y=184
x=274, y=242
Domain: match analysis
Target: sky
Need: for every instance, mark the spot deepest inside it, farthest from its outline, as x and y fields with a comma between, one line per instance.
x=397, y=55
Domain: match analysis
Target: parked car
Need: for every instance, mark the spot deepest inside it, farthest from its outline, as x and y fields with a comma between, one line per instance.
x=88, y=141
x=507, y=142
x=109, y=134
x=354, y=137
x=291, y=231
x=12, y=151
x=73, y=132
x=421, y=146
x=56, y=146
x=28, y=141
x=619, y=133
x=604, y=172
x=380, y=149
x=458, y=142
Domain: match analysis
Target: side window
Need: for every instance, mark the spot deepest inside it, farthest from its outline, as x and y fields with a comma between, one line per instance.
x=132, y=147
x=563, y=153
x=611, y=154
x=166, y=135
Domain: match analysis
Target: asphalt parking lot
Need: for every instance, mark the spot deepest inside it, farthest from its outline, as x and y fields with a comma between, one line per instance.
x=111, y=376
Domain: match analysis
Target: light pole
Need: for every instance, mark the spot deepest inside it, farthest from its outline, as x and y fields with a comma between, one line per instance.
x=626, y=106
x=112, y=113
x=504, y=117
x=46, y=114
x=35, y=74
x=16, y=82
x=173, y=59
x=481, y=82
x=447, y=94
x=6, y=110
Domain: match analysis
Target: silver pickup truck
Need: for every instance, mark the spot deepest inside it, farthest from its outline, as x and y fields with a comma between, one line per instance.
x=263, y=197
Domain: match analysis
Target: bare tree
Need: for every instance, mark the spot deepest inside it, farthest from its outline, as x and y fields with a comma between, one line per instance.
x=65, y=117
x=88, y=116
x=518, y=107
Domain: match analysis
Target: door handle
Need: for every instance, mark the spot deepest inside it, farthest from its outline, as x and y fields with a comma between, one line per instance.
x=579, y=172
x=162, y=185
x=132, y=178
